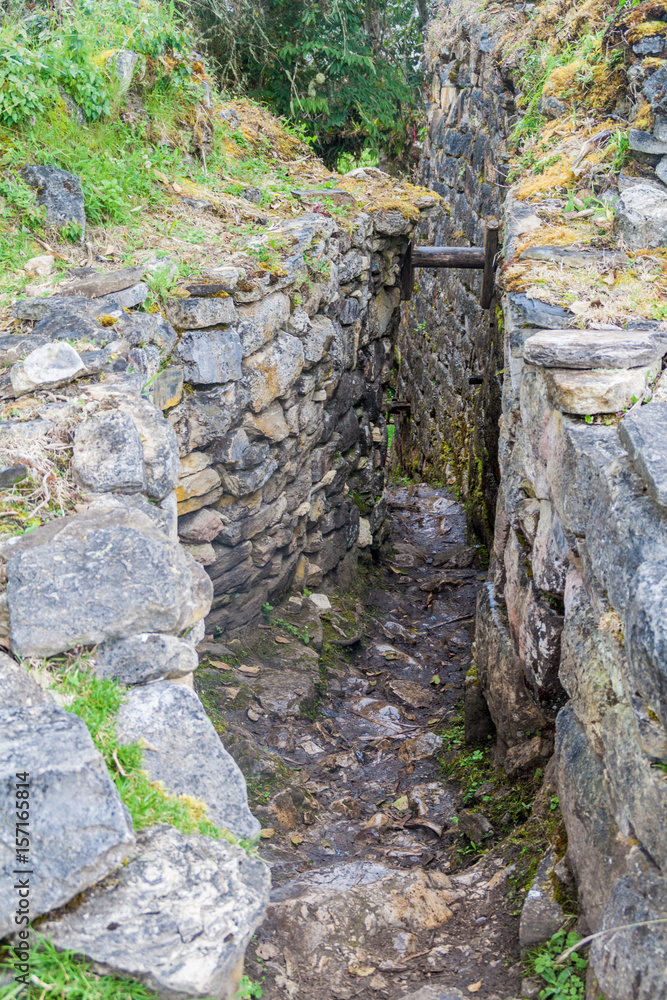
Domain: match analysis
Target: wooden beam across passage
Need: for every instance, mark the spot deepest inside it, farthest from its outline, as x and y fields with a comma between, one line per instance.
x=478, y=258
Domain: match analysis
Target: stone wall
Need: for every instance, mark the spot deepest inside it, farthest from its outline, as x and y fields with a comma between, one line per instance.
x=253, y=427
x=282, y=436
x=450, y=350
x=570, y=637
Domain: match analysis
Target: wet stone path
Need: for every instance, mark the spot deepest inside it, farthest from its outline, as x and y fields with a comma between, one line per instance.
x=335, y=716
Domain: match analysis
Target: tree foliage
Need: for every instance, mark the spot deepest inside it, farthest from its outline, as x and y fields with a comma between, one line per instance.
x=349, y=69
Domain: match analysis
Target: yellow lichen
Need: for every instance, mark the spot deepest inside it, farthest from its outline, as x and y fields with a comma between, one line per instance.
x=647, y=30
x=564, y=80
x=559, y=175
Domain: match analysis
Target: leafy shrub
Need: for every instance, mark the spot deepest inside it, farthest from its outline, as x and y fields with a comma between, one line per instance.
x=563, y=981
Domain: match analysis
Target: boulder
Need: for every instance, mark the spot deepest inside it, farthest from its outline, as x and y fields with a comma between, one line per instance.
x=95, y=286
x=186, y=752
x=107, y=454
x=73, y=802
x=283, y=692
x=148, y=656
x=258, y=322
x=270, y=423
x=178, y=916
x=96, y=576
x=603, y=391
x=59, y=192
x=47, y=366
x=160, y=446
x=122, y=64
x=166, y=390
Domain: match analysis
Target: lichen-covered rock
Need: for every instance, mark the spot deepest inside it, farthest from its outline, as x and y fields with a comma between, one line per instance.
x=644, y=434
x=96, y=576
x=196, y=313
x=211, y=356
x=73, y=802
x=272, y=370
x=46, y=367
x=541, y=915
x=641, y=216
x=108, y=456
x=178, y=916
x=186, y=753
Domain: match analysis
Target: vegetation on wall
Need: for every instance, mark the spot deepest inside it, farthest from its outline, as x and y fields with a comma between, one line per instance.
x=349, y=71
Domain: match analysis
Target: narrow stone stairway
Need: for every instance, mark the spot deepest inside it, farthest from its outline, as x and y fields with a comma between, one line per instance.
x=343, y=713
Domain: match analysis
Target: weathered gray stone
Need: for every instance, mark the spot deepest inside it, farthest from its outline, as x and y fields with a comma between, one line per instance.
x=10, y=475
x=202, y=417
x=14, y=346
x=166, y=390
x=653, y=45
x=603, y=391
x=532, y=312
x=18, y=688
x=655, y=91
x=644, y=434
x=549, y=558
x=47, y=366
x=641, y=216
x=84, y=579
x=107, y=455
x=272, y=370
x=240, y=483
x=257, y=323
x=646, y=637
x=59, y=192
x=142, y=328
x=187, y=755
x=270, y=423
x=178, y=916
x=145, y=657
x=575, y=256
x=73, y=801
x=105, y=283
x=630, y=964
x=200, y=526
x=541, y=915
x=317, y=339
x=210, y=356
x=197, y=313
x=661, y=170
x=594, y=348
x=644, y=142
x=160, y=446
x=283, y=692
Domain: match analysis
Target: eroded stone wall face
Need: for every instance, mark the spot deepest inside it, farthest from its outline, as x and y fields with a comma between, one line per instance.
x=571, y=638
x=282, y=437
x=450, y=350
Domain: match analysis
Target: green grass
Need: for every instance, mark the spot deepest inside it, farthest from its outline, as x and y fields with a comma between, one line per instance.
x=96, y=701
x=565, y=981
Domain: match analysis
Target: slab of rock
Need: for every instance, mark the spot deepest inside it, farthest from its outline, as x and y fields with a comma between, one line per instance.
x=644, y=434
x=48, y=366
x=166, y=390
x=178, y=917
x=198, y=312
x=270, y=423
x=73, y=801
x=39, y=267
x=122, y=64
x=283, y=692
x=10, y=475
x=160, y=446
x=188, y=756
x=201, y=526
x=18, y=687
x=524, y=311
x=646, y=637
x=655, y=91
x=641, y=216
x=410, y=692
x=108, y=455
x=541, y=915
x=273, y=369
x=97, y=576
x=575, y=256
x=148, y=656
x=594, y=348
x=603, y=391
x=436, y=992
x=59, y=192
x=94, y=286
x=210, y=356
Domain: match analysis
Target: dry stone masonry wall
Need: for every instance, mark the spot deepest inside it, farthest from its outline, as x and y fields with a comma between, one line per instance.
x=190, y=465
x=570, y=641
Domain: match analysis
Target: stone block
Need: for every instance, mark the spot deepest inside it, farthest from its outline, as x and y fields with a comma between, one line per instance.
x=603, y=391
x=73, y=802
x=541, y=915
x=210, y=356
x=273, y=369
x=60, y=193
x=258, y=322
x=594, y=348
x=166, y=390
x=46, y=367
x=108, y=454
x=644, y=433
x=178, y=917
x=197, y=313
x=270, y=423
x=18, y=687
x=187, y=754
x=84, y=579
x=641, y=216
x=145, y=657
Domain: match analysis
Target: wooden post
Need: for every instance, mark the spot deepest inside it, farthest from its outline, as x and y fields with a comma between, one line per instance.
x=490, y=251
x=469, y=257
x=407, y=275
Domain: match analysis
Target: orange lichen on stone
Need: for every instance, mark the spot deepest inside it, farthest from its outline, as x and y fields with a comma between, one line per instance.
x=559, y=175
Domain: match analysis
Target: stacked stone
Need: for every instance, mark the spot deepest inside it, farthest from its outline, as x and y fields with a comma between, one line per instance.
x=282, y=437
x=450, y=349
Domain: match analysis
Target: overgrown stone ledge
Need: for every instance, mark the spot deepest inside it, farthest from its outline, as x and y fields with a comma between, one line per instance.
x=564, y=419
x=181, y=470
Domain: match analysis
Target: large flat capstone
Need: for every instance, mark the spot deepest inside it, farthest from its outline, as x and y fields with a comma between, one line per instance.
x=80, y=830
x=97, y=576
x=594, y=348
x=178, y=917
x=188, y=756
